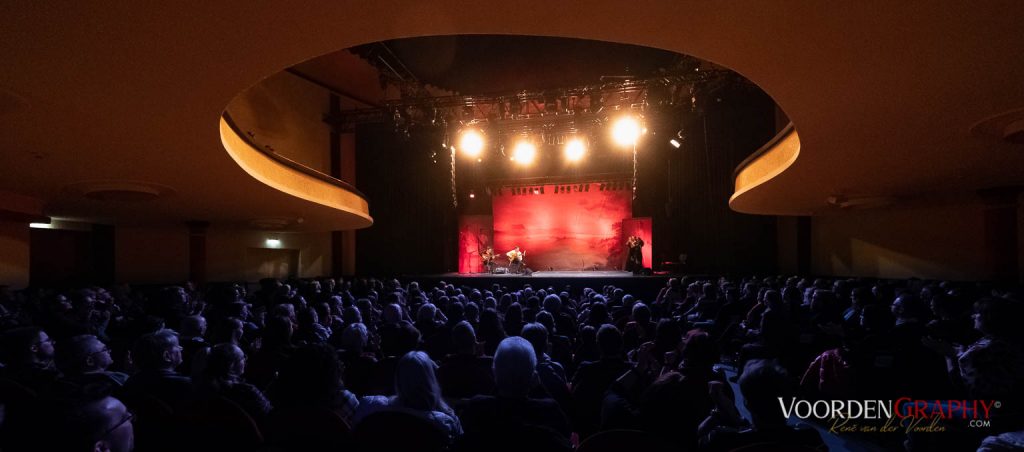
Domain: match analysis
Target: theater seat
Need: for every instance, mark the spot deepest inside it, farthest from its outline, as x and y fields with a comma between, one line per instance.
x=395, y=430
x=619, y=440
x=310, y=429
x=217, y=424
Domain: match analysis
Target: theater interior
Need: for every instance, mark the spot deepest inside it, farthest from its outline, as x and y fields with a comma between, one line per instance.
x=785, y=146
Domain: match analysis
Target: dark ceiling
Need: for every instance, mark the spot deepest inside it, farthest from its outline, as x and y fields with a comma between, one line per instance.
x=483, y=64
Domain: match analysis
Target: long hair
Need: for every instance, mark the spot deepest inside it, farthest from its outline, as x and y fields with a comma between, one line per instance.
x=416, y=385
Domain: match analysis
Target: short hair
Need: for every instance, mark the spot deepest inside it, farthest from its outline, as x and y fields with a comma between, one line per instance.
x=193, y=325
x=537, y=334
x=426, y=313
x=762, y=382
x=515, y=364
x=16, y=344
x=222, y=360
x=641, y=312
x=999, y=317
x=609, y=340
x=150, y=348
x=355, y=336
x=552, y=303
x=392, y=313
x=71, y=355
x=545, y=318
x=463, y=337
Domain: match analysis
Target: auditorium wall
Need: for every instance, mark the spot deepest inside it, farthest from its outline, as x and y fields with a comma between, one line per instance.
x=160, y=255
x=14, y=254
x=151, y=255
x=957, y=241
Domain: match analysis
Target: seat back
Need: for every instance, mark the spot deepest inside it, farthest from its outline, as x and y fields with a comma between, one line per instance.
x=619, y=440
x=397, y=430
x=218, y=424
x=308, y=429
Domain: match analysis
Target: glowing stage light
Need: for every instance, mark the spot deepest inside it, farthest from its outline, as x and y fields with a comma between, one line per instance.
x=472, y=195
x=274, y=243
x=574, y=150
x=626, y=131
x=675, y=143
x=471, y=143
x=524, y=153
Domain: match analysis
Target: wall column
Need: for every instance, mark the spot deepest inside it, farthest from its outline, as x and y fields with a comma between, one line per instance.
x=343, y=167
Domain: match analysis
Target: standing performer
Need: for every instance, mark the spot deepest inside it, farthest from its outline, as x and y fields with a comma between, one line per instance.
x=515, y=260
x=635, y=259
x=488, y=259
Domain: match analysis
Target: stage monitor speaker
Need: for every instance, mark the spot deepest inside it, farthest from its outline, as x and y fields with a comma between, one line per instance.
x=646, y=272
x=528, y=272
x=500, y=271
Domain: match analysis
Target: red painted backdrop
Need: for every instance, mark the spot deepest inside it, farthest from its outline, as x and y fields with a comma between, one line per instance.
x=574, y=230
x=474, y=236
x=640, y=227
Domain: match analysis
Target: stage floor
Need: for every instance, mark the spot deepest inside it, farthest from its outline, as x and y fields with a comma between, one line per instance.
x=547, y=274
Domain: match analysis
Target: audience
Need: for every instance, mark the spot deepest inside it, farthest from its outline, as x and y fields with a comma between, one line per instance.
x=503, y=365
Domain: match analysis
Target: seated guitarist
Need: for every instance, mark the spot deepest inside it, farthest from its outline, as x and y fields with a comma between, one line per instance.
x=488, y=259
x=515, y=260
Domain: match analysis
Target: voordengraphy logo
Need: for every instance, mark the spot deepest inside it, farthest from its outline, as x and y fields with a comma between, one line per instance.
x=903, y=414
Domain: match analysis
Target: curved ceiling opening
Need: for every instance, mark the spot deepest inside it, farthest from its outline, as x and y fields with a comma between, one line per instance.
x=547, y=90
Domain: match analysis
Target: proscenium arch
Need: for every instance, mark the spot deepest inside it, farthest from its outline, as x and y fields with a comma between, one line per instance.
x=656, y=27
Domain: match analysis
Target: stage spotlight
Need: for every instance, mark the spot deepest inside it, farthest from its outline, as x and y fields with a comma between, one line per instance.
x=677, y=141
x=472, y=195
x=536, y=191
x=524, y=153
x=626, y=131
x=575, y=149
x=471, y=142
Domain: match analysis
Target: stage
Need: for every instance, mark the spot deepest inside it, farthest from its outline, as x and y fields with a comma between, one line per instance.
x=644, y=287
x=547, y=274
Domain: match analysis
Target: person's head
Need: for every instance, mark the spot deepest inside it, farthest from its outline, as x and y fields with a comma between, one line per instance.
x=27, y=347
x=229, y=329
x=609, y=341
x=762, y=383
x=225, y=362
x=355, y=337
x=641, y=313
x=699, y=350
x=310, y=376
x=472, y=312
x=545, y=318
x=514, y=314
x=906, y=306
x=193, y=326
x=998, y=317
x=860, y=297
x=667, y=334
x=464, y=338
x=351, y=314
x=392, y=313
x=537, y=335
x=426, y=314
x=416, y=384
x=515, y=365
x=100, y=424
x=83, y=354
x=552, y=303
x=875, y=319
x=158, y=350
